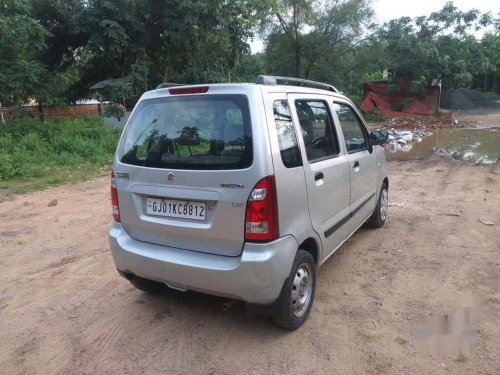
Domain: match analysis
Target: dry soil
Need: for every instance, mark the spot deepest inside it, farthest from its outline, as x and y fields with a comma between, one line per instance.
x=65, y=310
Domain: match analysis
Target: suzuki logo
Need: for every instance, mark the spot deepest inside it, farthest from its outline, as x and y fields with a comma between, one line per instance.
x=170, y=177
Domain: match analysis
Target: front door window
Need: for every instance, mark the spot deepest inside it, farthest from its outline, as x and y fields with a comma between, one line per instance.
x=354, y=134
x=317, y=131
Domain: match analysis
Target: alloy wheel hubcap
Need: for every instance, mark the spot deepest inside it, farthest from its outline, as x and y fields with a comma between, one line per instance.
x=301, y=290
x=384, y=202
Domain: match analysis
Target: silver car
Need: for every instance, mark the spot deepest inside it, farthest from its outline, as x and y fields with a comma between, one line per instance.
x=243, y=190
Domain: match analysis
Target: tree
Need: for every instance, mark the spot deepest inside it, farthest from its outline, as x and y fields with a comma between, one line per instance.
x=65, y=21
x=306, y=34
x=490, y=45
x=434, y=46
x=293, y=17
x=248, y=67
x=142, y=41
x=22, y=41
x=153, y=41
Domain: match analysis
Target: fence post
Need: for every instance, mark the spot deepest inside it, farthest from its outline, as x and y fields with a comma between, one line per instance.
x=40, y=110
x=2, y=119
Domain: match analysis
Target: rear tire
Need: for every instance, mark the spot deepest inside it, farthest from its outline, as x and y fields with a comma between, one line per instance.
x=379, y=216
x=297, y=296
x=148, y=286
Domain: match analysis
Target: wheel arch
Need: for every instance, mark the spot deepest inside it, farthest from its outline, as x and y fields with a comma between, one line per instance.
x=311, y=245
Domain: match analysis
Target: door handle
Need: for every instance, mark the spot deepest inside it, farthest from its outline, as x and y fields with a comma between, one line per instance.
x=318, y=176
x=356, y=164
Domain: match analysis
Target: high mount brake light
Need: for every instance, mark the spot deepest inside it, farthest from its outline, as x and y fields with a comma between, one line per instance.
x=188, y=90
x=261, y=217
x=114, y=198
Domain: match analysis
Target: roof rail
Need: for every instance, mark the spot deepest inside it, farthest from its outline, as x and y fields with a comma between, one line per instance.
x=166, y=85
x=290, y=81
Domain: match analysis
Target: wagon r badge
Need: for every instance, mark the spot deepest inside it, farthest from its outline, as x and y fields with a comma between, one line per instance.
x=121, y=175
x=170, y=177
x=233, y=186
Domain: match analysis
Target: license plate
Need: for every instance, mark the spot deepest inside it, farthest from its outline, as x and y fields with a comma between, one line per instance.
x=176, y=208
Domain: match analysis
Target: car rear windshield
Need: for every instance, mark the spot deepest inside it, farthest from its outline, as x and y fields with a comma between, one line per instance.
x=189, y=132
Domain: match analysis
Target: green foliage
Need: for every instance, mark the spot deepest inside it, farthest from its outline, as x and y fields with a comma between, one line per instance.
x=438, y=46
x=372, y=116
x=32, y=148
x=20, y=113
x=394, y=87
x=150, y=41
x=248, y=67
x=307, y=38
x=403, y=104
x=493, y=95
x=463, y=79
x=6, y=167
x=22, y=39
x=54, y=51
x=418, y=86
x=357, y=99
x=372, y=76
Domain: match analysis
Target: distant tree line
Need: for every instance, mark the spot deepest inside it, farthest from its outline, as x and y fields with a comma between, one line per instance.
x=53, y=51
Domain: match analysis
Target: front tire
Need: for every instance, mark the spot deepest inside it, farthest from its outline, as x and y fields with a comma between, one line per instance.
x=379, y=216
x=297, y=296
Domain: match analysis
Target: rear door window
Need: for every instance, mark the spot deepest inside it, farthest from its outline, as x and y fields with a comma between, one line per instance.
x=287, y=138
x=316, y=124
x=191, y=132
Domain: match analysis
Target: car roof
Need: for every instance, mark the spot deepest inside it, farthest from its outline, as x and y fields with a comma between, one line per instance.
x=214, y=88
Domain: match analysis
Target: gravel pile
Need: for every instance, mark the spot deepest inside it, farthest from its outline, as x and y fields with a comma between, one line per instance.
x=466, y=99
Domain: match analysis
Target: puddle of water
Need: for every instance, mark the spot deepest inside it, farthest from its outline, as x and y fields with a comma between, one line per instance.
x=470, y=145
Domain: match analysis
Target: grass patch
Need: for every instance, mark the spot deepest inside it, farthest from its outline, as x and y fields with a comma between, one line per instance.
x=54, y=177
x=493, y=95
x=38, y=154
x=373, y=116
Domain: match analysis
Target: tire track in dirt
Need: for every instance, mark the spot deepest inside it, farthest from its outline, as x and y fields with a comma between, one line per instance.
x=82, y=286
x=38, y=298
x=79, y=316
x=103, y=336
x=68, y=260
x=59, y=361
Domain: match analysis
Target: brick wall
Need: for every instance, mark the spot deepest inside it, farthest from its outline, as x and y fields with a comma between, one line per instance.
x=47, y=113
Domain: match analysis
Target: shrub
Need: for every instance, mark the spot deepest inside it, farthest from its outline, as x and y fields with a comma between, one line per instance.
x=463, y=79
x=30, y=147
x=493, y=95
x=373, y=115
x=6, y=167
x=357, y=99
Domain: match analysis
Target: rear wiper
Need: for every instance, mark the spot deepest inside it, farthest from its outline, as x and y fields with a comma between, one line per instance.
x=146, y=128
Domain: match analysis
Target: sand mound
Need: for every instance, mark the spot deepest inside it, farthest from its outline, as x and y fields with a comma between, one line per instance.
x=466, y=99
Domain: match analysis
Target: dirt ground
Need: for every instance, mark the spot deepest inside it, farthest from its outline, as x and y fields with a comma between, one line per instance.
x=65, y=310
x=474, y=119
x=482, y=118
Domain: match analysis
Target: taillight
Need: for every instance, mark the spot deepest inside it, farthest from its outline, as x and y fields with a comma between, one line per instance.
x=114, y=198
x=261, y=218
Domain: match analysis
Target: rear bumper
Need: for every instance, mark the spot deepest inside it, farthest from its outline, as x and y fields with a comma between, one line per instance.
x=256, y=276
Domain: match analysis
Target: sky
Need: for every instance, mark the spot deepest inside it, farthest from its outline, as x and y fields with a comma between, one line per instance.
x=386, y=10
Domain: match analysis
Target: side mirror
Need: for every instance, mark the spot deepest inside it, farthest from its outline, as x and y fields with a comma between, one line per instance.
x=378, y=137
